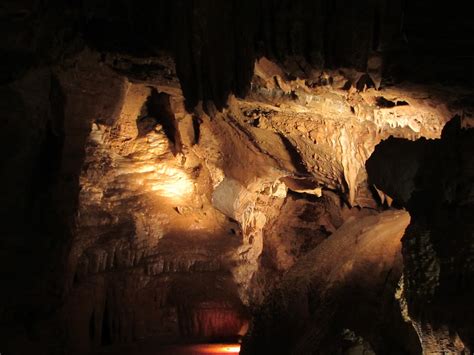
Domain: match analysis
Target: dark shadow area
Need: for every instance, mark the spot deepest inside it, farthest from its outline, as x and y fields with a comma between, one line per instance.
x=384, y=103
x=215, y=43
x=106, y=332
x=197, y=129
x=433, y=180
x=157, y=110
x=294, y=155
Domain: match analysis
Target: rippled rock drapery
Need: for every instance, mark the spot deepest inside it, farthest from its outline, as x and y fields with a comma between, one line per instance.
x=142, y=201
x=171, y=200
x=140, y=192
x=330, y=131
x=151, y=256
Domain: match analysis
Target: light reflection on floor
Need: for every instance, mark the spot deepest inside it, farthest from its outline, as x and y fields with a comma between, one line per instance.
x=200, y=349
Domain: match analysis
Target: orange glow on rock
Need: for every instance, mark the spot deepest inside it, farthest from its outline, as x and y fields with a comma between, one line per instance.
x=217, y=348
x=172, y=182
x=198, y=349
x=232, y=349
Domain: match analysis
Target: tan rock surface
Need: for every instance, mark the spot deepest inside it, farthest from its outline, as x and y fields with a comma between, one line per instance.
x=186, y=218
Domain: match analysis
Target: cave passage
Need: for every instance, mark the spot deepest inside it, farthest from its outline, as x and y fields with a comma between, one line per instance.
x=239, y=176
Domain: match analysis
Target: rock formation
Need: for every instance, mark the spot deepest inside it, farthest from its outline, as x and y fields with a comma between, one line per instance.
x=286, y=173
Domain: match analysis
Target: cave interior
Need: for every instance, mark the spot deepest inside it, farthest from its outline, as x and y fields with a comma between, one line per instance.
x=225, y=176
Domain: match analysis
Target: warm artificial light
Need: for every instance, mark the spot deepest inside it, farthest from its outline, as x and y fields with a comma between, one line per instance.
x=216, y=349
x=172, y=182
x=235, y=349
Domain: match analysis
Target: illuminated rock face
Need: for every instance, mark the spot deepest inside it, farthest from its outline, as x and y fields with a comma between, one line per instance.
x=153, y=208
x=349, y=278
x=333, y=131
x=197, y=215
x=151, y=257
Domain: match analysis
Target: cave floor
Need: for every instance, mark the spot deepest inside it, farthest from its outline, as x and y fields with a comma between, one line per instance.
x=147, y=348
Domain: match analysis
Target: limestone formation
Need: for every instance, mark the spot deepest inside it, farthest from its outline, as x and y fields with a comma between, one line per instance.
x=293, y=175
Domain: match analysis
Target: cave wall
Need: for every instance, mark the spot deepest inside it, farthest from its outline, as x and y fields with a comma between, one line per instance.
x=437, y=246
x=181, y=222
x=426, y=299
x=78, y=247
x=316, y=300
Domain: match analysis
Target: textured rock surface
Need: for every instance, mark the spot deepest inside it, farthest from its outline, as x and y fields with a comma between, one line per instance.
x=437, y=247
x=146, y=223
x=142, y=202
x=360, y=264
x=182, y=218
x=330, y=131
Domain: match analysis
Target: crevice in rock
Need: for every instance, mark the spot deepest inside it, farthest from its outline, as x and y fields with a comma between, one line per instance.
x=294, y=155
x=92, y=322
x=157, y=110
x=196, y=128
x=385, y=103
x=364, y=82
x=106, y=328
